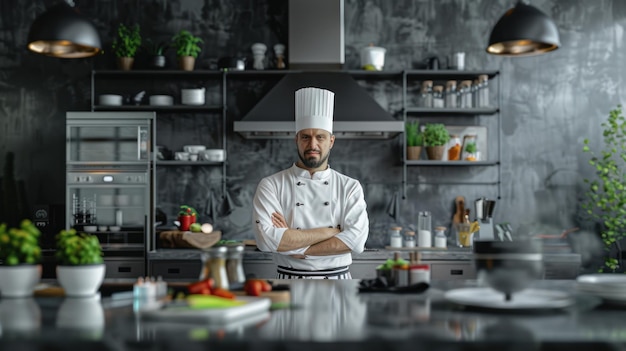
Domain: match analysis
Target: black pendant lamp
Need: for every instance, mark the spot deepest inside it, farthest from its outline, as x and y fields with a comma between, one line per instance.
x=63, y=32
x=523, y=31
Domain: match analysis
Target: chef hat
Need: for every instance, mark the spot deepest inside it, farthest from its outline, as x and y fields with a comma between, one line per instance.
x=314, y=109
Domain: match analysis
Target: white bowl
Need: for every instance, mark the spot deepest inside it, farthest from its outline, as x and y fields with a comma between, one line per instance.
x=213, y=155
x=181, y=156
x=161, y=100
x=110, y=100
x=90, y=228
x=194, y=149
x=115, y=228
x=103, y=228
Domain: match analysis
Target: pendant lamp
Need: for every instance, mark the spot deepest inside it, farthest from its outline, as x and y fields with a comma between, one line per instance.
x=62, y=32
x=523, y=31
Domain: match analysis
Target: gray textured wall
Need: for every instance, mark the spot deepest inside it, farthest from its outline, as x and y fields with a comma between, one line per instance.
x=549, y=103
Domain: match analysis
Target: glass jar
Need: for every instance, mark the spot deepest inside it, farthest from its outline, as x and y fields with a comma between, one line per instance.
x=438, y=96
x=441, y=241
x=450, y=95
x=483, y=91
x=234, y=265
x=214, y=266
x=470, y=148
x=395, y=239
x=424, y=229
x=465, y=94
x=426, y=94
x=454, y=148
x=409, y=239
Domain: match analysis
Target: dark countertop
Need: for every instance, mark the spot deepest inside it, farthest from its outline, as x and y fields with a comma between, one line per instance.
x=327, y=313
x=451, y=254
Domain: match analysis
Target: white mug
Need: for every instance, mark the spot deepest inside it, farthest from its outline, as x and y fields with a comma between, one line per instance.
x=458, y=61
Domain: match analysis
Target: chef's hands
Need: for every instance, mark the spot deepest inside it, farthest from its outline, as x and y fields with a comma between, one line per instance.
x=278, y=220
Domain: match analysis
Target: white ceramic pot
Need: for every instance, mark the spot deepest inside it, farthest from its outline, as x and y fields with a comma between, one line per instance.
x=374, y=56
x=110, y=100
x=82, y=280
x=193, y=96
x=20, y=280
x=213, y=155
x=161, y=100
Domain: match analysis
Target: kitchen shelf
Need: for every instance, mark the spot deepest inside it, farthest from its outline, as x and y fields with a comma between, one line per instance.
x=173, y=108
x=188, y=163
x=457, y=113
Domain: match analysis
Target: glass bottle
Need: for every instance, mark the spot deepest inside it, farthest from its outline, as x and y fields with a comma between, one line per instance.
x=454, y=148
x=234, y=265
x=214, y=266
x=438, y=96
x=409, y=239
x=450, y=94
x=426, y=94
x=395, y=239
x=483, y=91
x=465, y=94
x=470, y=148
x=441, y=240
x=424, y=229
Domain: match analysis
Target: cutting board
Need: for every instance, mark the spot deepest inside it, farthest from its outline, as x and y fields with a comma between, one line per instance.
x=277, y=297
x=186, y=239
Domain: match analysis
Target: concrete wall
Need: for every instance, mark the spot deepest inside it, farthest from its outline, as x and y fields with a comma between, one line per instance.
x=549, y=103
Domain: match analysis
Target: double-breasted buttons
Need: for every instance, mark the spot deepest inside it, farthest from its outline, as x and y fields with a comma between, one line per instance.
x=299, y=183
x=299, y=204
x=325, y=182
x=326, y=203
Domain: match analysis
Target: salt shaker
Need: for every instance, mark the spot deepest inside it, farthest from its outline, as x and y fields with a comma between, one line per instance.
x=409, y=239
x=258, y=53
x=395, y=239
x=440, y=237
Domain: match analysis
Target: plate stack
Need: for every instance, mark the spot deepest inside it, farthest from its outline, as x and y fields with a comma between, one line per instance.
x=609, y=287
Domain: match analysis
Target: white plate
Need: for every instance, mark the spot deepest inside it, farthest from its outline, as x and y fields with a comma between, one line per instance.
x=253, y=306
x=529, y=299
x=611, y=287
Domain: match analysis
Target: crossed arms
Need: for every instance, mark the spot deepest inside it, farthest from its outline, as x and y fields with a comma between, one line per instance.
x=321, y=241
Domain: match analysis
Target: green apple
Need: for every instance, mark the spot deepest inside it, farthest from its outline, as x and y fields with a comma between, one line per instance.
x=195, y=227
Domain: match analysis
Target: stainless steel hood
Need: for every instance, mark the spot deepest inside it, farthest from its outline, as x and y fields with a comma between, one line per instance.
x=316, y=50
x=357, y=115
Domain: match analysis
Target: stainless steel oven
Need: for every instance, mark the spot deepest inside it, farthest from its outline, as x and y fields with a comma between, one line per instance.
x=110, y=185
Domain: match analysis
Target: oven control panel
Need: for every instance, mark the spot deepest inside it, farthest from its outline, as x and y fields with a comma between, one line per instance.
x=106, y=178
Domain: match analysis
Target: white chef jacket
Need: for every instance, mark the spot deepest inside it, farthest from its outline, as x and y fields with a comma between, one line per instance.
x=327, y=198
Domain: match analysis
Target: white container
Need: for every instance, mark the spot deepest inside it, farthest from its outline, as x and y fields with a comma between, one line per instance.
x=424, y=238
x=213, y=155
x=374, y=56
x=110, y=100
x=181, y=156
x=193, y=96
x=161, y=100
x=194, y=149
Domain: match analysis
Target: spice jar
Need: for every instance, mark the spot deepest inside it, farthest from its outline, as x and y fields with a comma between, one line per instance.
x=214, y=266
x=438, y=96
x=234, y=265
x=409, y=239
x=395, y=239
x=451, y=96
x=426, y=94
x=454, y=148
x=441, y=240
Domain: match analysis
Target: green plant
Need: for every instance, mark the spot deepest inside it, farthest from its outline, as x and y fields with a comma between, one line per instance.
x=156, y=49
x=186, y=44
x=127, y=41
x=20, y=245
x=187, y=211
x=471, y=148
x=75, y=248
x=606, y=194
x=435, y=134
x=413, y=135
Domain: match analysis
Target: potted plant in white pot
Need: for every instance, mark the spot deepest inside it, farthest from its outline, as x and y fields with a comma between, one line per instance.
x=436, y=136
x=80, y=266
x=187, y=49
x=606, y=192
x=126, y=44
x=156, y=52
x=20, y=253
x=414, y=140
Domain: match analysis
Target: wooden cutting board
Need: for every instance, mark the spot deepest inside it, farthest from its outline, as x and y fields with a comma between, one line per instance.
x=185, y=239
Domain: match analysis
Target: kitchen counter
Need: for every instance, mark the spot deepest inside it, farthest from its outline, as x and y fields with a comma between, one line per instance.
x=329, y=314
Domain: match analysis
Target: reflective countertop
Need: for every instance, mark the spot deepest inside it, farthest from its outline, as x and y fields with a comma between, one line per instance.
x=332, y=312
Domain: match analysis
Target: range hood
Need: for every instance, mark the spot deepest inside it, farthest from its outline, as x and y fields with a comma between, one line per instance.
x=316, y=50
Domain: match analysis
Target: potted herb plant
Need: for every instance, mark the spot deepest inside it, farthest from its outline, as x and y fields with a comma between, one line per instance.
x=126, y=44
x=20, y=253
x=186, y=216
x=80, y=266
x=156, y=52
x=187, y=49
x=436, y=136
x=606, y=195
x=414, y=140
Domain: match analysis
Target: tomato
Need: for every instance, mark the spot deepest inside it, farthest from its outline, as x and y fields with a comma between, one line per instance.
x=266, y=286
x=253, y=287
x=223, y=293
x=201, y=287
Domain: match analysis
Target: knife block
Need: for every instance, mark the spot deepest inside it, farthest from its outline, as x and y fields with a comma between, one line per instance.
x=486, y=229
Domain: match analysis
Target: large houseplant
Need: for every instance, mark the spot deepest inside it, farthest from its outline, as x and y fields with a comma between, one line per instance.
x=187, y=49
x=414, y=140
x=80, y=270
x=20, y=254
x=435, y=138
x=606, y=193
x=126, y=44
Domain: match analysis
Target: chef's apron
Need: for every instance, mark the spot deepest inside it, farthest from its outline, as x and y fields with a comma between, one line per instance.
x=313, y=209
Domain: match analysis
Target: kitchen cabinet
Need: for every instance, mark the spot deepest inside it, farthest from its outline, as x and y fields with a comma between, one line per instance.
x=485, y=119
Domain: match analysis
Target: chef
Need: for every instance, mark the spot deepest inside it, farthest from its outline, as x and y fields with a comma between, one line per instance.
x=310, y=216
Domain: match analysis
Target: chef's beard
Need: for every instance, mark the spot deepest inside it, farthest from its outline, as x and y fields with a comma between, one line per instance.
x=312, y=162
